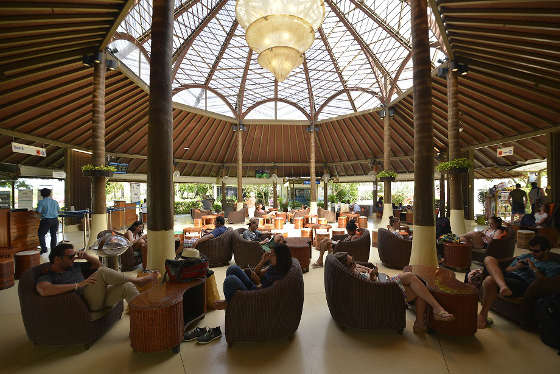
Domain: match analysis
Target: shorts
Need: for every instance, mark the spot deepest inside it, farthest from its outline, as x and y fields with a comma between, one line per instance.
x=516, y=284
x=518, y=208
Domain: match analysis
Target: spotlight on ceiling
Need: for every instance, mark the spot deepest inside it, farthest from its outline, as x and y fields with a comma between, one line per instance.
x=442, y=72
x=236, y=127
x=111, y=64
x=454, y=66
x=186, y=148
x=383, y=112
x=463, y=69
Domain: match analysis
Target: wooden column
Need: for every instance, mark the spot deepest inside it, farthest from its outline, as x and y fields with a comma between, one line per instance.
x=99, y=209
x=457, y=215
x=313, y=185
x=239, y=167
x=553, y=166
x=469, y=198
x=275, y=193
x=161, y=241
x=13, y=185
x=387, y=203
x=326, y=193
x=442, y=195
x=423, y=243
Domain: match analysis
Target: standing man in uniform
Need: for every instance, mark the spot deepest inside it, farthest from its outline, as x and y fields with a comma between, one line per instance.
x=48, y=209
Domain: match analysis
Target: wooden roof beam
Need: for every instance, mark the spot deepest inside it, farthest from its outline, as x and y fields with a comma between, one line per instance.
x=183, y=49
x=336, y=67
x=123, y=13
x=220, y=54
x=241, y=92
x=309, y=91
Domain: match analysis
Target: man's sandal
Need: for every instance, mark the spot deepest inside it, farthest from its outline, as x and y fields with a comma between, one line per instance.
x=443, y=316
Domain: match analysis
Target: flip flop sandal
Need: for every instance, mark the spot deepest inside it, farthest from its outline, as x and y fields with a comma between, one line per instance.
x=443, y=316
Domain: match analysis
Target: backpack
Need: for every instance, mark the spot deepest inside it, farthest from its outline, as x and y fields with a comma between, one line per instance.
x=185, y=269
x=548, y=319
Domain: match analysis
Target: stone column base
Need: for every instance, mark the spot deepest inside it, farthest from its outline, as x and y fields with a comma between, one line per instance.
x=98, y=224
x=424, y=246
x=457, y=221
x=161, y=246
x=387, y=212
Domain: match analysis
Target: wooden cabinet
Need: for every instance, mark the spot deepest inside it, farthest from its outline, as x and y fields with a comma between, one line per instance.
x=18, y=231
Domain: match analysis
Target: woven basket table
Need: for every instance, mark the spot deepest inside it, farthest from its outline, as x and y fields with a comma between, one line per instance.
x=26, y=260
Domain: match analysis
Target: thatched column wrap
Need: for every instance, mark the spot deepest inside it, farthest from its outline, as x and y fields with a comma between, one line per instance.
x=239, y=136
x=160, y=138
x=313, y=185
x=99, y=209
x=457, y=215
x=423, y=244
x=275, y=194
x=387, y=203
x=326, y=193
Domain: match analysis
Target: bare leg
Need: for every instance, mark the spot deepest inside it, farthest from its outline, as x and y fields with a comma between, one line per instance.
x=489, y=294
x=324, y=245
x=493, y=268
x=420, y=323
x=411, y=281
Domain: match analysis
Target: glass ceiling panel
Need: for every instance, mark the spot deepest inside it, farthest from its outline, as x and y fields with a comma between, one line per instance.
x=216, y=57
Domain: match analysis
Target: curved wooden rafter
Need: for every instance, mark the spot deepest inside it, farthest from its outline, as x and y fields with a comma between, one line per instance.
x=259, y=103
x=336, y=67
x=133, y=40
x=183, y=49
x=204, y=87
x=241, y=92
x=372, y=59
x=345, y=90
x=309, y=91
x=220, y=54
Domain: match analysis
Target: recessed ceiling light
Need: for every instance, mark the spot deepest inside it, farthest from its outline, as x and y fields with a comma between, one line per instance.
x=186, y=148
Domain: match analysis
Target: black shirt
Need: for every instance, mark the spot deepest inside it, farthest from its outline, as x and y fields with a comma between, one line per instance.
x=70, y=276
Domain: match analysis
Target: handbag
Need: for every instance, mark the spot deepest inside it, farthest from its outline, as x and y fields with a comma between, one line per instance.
x=185, y=269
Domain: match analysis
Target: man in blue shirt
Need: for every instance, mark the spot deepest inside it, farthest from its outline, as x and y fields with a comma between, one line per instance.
x=48, y=208
x=518, y=276
x=219, y=230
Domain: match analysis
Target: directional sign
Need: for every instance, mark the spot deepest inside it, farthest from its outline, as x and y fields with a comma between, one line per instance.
x=507, y=151
x=29, y=149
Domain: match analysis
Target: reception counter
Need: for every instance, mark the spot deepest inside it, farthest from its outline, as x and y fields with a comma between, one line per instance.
x=18, y=231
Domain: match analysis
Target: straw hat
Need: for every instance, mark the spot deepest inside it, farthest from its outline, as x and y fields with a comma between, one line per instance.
x=190, y=252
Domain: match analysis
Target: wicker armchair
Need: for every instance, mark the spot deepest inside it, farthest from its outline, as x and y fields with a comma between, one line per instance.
x=521, y=309
x=358, y=249
x=218, y=250
x=237, y=216
x=361, y=304
x=197, y=213
x=268, y=313
x=246, y=252
x=394, y=252
x=323, y=213
x=61, y=319
x=498, y=248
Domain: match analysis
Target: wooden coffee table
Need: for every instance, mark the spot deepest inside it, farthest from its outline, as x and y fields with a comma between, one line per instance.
x=160, y=316
x=209, y=219
x=300, y=248
x=25, y=260
x=456, y=297
x=457, y=256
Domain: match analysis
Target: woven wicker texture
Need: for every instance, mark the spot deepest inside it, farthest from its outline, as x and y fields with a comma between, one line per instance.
x=358, y=303
x=269, y=313
x=219, y=250
x=237, y=216
x=394, y=252
x=498, y=248
x=358, y=249
x=6, y=272
x=62, y=319
x=246, y=253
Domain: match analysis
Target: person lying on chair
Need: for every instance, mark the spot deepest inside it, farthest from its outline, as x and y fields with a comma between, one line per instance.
x=218, y=230
x=103, y=289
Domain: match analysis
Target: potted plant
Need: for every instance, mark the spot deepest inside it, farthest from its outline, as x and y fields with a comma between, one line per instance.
x=90, y=170
x=387, y=175
x=456, y=166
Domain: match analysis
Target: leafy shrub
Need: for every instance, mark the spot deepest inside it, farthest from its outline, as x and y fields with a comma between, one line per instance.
x=217, y=207
x=458, y=163
x=184, y=207
x=386, y=174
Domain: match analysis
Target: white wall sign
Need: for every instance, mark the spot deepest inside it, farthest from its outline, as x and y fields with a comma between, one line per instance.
x=5, y=199
x=25, y=199
x=29, y=149
x=134, y=192
x=507, y=151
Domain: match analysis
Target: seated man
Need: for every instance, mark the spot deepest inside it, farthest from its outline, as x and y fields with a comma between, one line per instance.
x=101, y=290
x=326, y=245
x=517, y=277
x=253, y=234
x=356, y=208
x=219, y=230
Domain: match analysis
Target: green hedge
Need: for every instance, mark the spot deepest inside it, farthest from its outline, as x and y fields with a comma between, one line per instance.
x=184, y=207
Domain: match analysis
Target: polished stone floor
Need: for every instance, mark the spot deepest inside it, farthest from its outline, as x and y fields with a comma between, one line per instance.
x=319, y=345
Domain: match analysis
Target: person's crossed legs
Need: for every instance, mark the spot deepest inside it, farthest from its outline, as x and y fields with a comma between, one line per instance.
x=236, y=280
x=494, y=281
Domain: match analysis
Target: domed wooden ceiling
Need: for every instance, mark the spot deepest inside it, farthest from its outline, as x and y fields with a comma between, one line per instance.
x=510, y=95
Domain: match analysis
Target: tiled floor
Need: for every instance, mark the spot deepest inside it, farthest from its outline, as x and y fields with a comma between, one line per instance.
x=319, y=346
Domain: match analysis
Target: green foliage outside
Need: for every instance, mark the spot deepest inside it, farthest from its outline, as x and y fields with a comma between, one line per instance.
x=93, y=167
x=262, y=192
x=480, y=220
x=19, y=184
x=193, y=190
x=398, y=198
x=345, y=192
x=283, y=204
x=217, y=207
x=184, y=207
x=113, y=189
x=295, y=205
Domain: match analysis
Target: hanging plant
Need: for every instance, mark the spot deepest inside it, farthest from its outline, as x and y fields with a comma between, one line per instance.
x=387, y=175
x=90, y=170
x=456, y=166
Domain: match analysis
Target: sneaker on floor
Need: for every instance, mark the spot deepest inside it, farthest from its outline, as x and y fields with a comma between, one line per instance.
x=211, y=334
x=194, y=334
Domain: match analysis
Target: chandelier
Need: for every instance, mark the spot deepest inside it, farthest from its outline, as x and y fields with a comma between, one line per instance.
x=280, y=31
